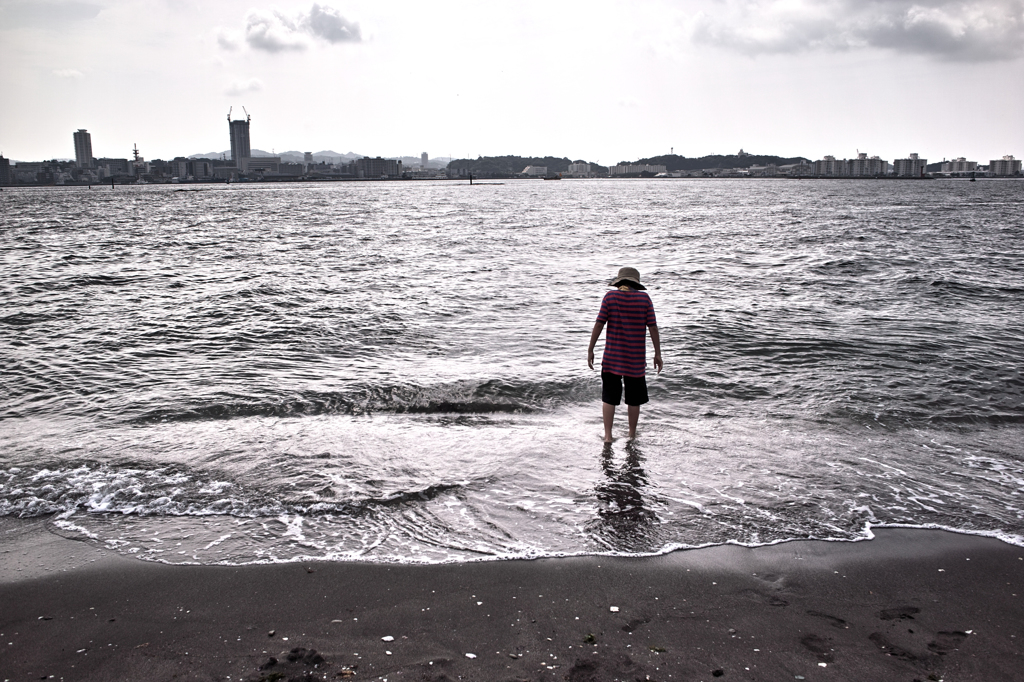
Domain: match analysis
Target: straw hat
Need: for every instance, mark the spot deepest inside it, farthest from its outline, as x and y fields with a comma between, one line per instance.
x=627, y=275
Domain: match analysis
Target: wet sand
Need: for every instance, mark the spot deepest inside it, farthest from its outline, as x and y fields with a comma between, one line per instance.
x=908, y=605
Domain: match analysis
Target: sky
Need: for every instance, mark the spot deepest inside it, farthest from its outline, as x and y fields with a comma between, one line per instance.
x=601, y=81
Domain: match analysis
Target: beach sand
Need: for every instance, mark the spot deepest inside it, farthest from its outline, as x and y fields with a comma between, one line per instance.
x=907, y=605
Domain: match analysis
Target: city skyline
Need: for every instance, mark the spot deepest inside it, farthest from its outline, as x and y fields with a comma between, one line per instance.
x=604, y=82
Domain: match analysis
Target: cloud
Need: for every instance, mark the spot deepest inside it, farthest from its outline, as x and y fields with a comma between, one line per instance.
x=227, y=40
x=326, y=23
x=68, y=73
x=243, y=86
x=46, y=13
x=954, y=30
x=274, y=31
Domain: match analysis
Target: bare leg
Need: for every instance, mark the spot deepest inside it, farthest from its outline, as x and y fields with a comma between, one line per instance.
x=634, y=417
x=608, y=413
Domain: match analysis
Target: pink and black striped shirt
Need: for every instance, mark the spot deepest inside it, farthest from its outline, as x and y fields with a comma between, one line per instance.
x=627, y=315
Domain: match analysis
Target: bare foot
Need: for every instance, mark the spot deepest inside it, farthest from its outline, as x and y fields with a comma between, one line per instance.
x=632, y=435
x=608, y=438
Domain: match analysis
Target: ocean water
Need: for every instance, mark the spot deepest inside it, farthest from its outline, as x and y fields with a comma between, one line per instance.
x=397, y=371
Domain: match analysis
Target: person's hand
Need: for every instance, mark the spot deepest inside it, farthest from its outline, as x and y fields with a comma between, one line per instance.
x=590, y=358
x=658, y=363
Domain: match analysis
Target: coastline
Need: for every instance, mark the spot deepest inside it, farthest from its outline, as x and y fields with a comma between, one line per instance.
x=909, y=604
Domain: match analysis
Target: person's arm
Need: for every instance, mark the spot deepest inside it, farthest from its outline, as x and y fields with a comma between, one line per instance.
x=656, y=340
x=594, y=335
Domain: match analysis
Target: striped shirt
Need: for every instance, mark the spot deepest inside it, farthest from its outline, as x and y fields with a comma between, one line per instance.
x=627, y=314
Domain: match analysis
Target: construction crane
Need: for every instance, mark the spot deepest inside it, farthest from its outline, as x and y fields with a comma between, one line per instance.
x=247, y=116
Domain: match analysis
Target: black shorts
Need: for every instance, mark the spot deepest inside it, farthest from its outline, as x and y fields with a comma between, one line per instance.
x=611, y=389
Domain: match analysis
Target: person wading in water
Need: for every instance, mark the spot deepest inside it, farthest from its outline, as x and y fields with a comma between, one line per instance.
x=629, y=313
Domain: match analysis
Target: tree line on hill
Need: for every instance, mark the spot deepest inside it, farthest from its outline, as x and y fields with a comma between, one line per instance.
x=511, y=166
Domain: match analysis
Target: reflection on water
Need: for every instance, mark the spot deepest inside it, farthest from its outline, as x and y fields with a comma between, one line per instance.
x=624, y=521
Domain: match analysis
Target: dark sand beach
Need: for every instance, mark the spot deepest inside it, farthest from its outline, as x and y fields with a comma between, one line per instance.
x=908, y=605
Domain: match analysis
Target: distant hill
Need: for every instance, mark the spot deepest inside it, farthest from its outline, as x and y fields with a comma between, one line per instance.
x=289, y=156
x=674, y=162
x=327, y=156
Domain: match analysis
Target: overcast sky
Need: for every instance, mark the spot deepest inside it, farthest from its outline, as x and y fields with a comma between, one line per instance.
x=601, y=81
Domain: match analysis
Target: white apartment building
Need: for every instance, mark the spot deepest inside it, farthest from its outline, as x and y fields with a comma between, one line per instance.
x=830, y=167
x=535, y=171
x=861, y=167
x=867, y=167
x=1004, y=166
x=959, y=165
x=635, y=169
x=912, y=167
x=579, y=170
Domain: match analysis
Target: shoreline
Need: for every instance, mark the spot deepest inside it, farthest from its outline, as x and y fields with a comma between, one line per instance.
x=908, y=604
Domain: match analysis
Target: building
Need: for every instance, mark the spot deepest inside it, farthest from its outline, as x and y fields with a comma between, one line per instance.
x=201, y=169
x=239, y=138
x=579, y=170
x=113, y=167
x=259, y=164
x=959, y=165
x=865, y=167
x=912, y=167
x=83, y=148
x=307, y=158
x=797, y=170
x=378, y=168
x=5, y=171
x=179, y=168
x=1004, y=166
x=423, y=160
x=535, y=171
x=861, y=167
x=636, y=169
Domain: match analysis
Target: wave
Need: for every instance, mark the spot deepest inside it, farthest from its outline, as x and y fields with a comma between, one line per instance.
x=494, y=396
x=95, y=487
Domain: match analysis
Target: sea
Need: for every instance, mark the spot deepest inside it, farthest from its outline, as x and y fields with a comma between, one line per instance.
x=397, y=371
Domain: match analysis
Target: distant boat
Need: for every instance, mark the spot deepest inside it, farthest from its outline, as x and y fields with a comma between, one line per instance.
x=553, y=177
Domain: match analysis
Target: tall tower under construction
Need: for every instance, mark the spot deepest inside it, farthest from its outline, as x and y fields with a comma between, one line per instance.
x=239, y=137
x=83, y=148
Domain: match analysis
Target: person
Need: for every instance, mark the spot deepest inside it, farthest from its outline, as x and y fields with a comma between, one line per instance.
x=629, y=314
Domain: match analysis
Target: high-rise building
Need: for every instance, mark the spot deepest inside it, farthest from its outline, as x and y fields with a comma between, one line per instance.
x=1004, y=166
x=959, y=165
x=5, y=171
x=83, y=148
x=239, y=137
x=307, y=157
x=909, y=168
x=423, y=160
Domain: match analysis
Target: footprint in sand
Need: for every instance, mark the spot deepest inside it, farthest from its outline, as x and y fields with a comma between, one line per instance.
x=832, y=620
x=820, y=647
x=946, y=641
x=887, y=647
x=900, y=612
